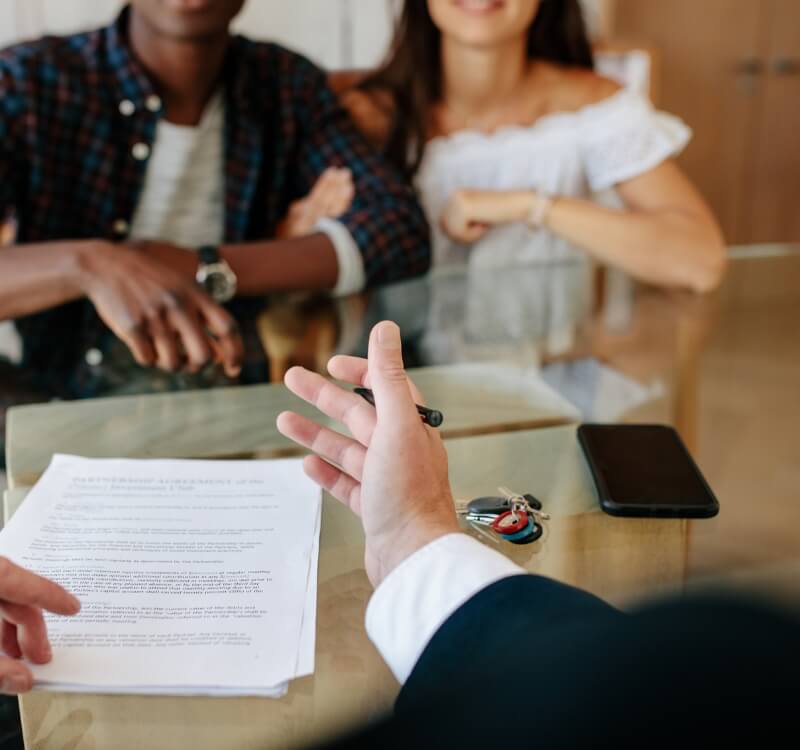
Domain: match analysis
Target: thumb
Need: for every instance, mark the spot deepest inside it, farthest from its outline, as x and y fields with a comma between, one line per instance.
x=387, y=375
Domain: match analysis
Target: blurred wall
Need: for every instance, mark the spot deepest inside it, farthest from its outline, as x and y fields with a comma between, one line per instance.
x=334, y=33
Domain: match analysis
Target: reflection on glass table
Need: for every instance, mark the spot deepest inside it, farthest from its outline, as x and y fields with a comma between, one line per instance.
x=729, y=367
x=534, y=317
x=520, y=315
x=721, y=368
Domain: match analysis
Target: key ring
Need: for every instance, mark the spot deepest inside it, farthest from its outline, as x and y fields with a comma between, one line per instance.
x=533, y=534
x=533, y=502
x=513, y=517
x=524, y=533
x=511, y=522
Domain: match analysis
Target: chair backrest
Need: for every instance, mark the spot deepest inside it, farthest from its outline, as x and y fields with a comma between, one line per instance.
x=632, y=66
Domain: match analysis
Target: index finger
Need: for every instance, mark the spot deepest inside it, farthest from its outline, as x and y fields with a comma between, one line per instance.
x=195, y=340
x=349, y=369
x=337, y=403
x=354, y=370
x=222, y=325
x=20, y=586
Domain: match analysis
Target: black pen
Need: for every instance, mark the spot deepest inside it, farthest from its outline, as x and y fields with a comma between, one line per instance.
x=429, y=416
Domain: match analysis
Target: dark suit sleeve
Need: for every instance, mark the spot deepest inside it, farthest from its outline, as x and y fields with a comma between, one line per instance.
x=521, y=610
x=385, y=219
x=705, y=672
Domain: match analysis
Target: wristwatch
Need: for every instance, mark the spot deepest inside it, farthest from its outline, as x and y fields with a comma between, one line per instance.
x=215, y=275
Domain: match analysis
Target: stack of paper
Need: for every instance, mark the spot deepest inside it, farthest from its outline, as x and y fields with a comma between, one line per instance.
x=195, y=577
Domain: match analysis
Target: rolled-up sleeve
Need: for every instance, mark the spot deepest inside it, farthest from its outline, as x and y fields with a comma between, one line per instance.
x=385, y=219
x=351, y=265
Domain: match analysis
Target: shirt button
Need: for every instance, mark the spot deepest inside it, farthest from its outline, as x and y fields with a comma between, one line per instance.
x=127, y=107
x=153, y=103
x=94, y=357
x=120, y=227
x=140, y=151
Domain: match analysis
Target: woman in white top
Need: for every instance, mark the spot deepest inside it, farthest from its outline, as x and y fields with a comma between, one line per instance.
x=493, y=108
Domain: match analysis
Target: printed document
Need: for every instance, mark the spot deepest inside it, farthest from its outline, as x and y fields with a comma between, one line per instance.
x=195, y=577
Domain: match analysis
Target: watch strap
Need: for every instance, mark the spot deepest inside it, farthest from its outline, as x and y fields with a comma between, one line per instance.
x=208, y=255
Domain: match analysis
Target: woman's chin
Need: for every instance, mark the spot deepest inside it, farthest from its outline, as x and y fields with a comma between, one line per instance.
x=480, y=37
x=483, y=22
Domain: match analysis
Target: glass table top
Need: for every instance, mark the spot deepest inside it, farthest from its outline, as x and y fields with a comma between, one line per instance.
x=723, y=368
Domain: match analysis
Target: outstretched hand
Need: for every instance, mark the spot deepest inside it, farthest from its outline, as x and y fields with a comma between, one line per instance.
x=392, y=472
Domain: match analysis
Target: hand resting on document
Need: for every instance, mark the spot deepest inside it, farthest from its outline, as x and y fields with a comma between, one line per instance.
x=23, y=596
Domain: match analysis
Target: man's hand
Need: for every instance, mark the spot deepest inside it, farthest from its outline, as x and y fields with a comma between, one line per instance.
x=330, y=197
x=393, y=472
x=23, y=596
x=162, y=316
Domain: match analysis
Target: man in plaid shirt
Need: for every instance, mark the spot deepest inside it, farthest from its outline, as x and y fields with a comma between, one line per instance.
x=125, y=149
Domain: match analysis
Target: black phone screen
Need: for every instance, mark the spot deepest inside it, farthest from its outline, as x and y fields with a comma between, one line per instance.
x=645, y=469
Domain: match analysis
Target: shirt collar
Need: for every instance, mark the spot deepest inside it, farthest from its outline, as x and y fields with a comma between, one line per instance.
x=130, y=78
x=132, y=81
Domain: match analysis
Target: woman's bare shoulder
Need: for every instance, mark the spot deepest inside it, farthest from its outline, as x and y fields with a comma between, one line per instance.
x=572, y=89
x=371, y=111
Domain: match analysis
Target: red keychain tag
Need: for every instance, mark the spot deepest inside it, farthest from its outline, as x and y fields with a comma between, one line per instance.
x=510, y=522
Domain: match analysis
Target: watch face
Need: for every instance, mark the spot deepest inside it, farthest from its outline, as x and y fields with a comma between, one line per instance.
x=218, y=280
x=219, y=286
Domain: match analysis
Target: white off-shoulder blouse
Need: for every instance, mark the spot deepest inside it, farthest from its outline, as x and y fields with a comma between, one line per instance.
x=577, y=154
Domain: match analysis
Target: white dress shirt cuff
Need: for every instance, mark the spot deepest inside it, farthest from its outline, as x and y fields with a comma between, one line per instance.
x=352, y=277
x=417, y=597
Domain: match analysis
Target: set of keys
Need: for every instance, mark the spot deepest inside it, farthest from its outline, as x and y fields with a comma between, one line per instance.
x=513, y=517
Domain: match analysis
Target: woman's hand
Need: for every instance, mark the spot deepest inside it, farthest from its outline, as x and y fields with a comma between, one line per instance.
x=393, y=471
x=330, y=197
x=459, y=219
x=23, y=596
x=469, y=214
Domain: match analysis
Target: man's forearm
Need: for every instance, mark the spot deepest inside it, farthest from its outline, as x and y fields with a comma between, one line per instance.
x=304, y=263
x=37, y=277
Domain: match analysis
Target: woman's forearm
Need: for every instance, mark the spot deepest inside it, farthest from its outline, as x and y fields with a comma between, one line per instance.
x=663, y=247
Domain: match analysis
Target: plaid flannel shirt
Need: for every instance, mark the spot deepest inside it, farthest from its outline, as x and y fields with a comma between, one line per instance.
x=78, y=116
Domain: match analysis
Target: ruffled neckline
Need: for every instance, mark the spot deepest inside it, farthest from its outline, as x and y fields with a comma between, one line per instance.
x=544, y=123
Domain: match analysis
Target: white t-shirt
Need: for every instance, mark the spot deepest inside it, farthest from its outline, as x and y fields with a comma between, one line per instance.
x=183, y=196
x=182, y=200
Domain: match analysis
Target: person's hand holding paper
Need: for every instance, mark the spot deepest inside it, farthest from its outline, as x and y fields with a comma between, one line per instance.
x=394, y=472
x=23, y=596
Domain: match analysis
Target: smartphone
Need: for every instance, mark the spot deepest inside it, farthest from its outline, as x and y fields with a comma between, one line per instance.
x=645, y=470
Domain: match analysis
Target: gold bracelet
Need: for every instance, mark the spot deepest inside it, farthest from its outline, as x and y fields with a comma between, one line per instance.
x=540, y=210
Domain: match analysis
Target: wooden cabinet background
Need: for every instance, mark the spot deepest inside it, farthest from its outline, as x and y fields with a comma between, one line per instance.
x=731, y=69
